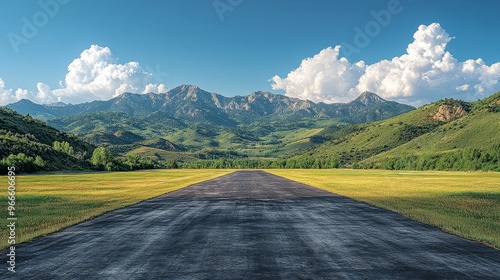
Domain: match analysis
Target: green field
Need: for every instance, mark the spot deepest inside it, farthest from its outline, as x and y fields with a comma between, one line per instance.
x=463, y=203
x=47, y=203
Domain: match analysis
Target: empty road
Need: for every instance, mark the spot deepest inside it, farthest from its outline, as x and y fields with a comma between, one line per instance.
x=253, y=225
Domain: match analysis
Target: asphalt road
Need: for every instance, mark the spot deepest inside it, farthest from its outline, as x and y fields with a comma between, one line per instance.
x=253, y=225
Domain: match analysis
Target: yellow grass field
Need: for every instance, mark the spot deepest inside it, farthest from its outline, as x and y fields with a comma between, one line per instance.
x=464, y=203
x=47, y=203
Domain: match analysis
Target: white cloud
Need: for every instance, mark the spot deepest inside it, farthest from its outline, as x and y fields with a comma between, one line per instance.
x=8, y=95
x=5, y=94
x=95, y=75
x=44, y=92
x=155, y=88
x=426, y=72
x=324, y=78
x=464, y=87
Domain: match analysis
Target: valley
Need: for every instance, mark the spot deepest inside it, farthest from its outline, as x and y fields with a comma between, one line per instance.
x=188, y=123
x=188, y=127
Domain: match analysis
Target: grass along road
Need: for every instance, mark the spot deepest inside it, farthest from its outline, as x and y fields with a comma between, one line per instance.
x=462, y=203
x=253, y=225
x=47, y=203
x=466, y=204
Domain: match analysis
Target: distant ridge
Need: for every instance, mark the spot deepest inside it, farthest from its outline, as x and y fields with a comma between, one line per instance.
x=191, y=102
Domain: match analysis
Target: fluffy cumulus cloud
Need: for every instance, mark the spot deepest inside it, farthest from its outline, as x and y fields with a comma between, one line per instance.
x=322, y=78
x=8, y=95
x=5, y=93
x=95, y=75
x=426, y=72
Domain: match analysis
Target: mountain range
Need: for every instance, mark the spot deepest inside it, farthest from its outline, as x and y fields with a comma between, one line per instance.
x=189, y=119
x=187, y=124
x=189, y=102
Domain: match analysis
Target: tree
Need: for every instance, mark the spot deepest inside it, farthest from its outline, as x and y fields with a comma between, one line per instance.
x=39, y=162
x=171, y=164
x=22, y=163
x=101, y=157
x=333, y=163
x=134, y=162
x=64, y=147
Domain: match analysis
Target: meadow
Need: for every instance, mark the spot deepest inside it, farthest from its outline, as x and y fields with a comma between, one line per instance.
x=463, y=203
x=47, y=203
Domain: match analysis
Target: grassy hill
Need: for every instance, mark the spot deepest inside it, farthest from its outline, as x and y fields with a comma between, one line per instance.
x=479, y=130
x=357, y=142
x=441, y=128
x=29, y=144
x=161, y=154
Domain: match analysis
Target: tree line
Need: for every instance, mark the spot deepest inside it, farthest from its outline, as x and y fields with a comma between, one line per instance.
x=305, y=162
x=468, y=159
x=100, y=160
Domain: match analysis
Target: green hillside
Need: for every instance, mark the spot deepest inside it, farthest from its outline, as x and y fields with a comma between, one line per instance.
x=31, y=145
x=161, y=155
x=357, y=142
x=480, y=130
x=447, y=127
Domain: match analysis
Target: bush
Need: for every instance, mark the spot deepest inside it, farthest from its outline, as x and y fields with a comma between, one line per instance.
x=22, y=163
x=468, y=159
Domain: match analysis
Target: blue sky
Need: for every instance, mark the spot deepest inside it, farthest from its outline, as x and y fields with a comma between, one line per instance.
x=238, y=50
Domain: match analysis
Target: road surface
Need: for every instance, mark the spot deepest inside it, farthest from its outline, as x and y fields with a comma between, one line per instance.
x=253, y=225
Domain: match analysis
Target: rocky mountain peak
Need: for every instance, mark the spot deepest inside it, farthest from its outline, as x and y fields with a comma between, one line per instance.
x=189, y=88
x=25, y=102
x=260, y=95
x=187, y=91
x=57, y=104
x=125, y=95
x=369, y=98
